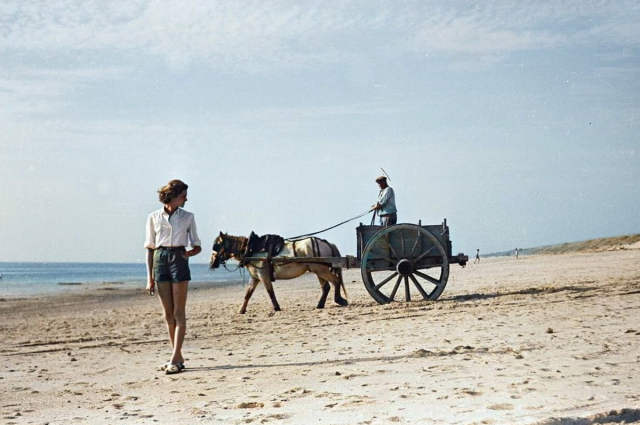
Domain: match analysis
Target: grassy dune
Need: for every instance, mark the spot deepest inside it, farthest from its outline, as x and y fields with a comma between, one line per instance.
x=602, y=244
x=592, y=245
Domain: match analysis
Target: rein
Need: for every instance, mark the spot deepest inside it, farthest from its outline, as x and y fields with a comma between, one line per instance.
x=329, y=228
x=227, y=268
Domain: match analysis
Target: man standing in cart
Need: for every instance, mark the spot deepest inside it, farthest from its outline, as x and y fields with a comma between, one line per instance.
x=386, y=205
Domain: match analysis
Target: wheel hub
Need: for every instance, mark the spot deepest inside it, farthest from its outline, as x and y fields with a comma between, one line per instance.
x=404, y=267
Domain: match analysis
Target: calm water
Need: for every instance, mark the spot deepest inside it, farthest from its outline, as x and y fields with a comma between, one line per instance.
x=29, y=279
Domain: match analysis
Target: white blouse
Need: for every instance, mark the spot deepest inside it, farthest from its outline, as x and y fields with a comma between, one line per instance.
x=177, y=230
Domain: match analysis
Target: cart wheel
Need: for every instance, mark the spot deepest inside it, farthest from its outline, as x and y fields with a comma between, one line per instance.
x=384, y=268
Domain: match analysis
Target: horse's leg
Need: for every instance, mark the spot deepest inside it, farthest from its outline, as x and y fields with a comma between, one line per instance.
x=269, y=286
x=339, y=284
x=252, y=287
x=324, y=272
x=324, y=285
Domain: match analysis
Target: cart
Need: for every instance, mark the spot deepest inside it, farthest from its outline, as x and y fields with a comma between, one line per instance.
x=414, y=256
x=402, y=258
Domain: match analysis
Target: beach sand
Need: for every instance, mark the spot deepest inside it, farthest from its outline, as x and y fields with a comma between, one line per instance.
x=543, y=339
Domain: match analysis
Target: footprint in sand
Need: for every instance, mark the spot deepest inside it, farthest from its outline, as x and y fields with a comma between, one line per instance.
x=501, y=406
x=471, y=392
x=250, y=405
x=296, y=393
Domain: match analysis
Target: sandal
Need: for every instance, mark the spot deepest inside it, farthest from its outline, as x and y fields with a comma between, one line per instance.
x=164, y=366
x=173, y=368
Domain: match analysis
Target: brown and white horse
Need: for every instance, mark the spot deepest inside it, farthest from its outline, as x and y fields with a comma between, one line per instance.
x=226, y=247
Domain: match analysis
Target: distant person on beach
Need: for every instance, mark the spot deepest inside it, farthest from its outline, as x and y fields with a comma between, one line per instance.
x=386, y=205
x=169, y=231
x=477, y=260
x=516, y=252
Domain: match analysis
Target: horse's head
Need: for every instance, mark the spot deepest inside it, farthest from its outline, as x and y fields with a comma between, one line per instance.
x=225, y=247
x=219, y=254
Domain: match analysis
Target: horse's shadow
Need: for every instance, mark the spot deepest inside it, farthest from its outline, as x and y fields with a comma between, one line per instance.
x=295, y=364
x=340, y=362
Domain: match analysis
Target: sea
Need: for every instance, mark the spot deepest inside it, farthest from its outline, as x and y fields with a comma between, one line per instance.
x=37, y=279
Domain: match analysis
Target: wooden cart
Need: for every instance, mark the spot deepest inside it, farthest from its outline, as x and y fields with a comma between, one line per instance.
x=408, y=258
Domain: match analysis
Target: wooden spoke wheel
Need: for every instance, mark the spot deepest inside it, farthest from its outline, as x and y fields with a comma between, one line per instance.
x=404, y=258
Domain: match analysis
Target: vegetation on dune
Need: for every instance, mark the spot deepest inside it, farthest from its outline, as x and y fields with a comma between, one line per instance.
x=601, y=244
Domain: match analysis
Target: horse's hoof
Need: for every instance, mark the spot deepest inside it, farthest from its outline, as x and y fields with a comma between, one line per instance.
x=342, y=302
x=241, y=312
x=320, y=307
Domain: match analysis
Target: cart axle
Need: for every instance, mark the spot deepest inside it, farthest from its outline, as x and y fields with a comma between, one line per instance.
x=405, y=267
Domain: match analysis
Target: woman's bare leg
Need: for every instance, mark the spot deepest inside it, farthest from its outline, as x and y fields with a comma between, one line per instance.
x=165, y=293
x=180, y=319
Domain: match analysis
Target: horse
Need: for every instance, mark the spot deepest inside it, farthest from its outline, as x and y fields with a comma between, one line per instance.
x=226, y=246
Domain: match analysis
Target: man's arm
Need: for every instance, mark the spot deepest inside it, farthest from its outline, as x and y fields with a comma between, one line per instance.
x=385, y=195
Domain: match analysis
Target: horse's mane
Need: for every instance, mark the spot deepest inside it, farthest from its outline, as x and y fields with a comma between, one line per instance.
x=235, y=244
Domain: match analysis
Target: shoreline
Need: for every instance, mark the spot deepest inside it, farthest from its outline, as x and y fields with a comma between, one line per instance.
x=73, y=288
x=94, y=289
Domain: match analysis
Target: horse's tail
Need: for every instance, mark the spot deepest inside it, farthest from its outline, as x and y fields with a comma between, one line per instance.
x=339, y=274
x=338, y=270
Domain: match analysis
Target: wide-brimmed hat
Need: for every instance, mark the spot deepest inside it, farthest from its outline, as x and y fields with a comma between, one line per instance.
x=381, y=179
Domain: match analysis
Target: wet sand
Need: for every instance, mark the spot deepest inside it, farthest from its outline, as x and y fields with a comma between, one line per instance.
x=544, y=339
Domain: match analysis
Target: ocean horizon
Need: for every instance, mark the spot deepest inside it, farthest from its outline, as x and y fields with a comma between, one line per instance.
x=22, y=279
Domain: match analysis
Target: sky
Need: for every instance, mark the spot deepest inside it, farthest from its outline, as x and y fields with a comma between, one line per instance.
x=516, y=121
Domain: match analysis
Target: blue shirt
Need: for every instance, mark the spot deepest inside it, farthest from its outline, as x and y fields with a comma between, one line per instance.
x=387, y=200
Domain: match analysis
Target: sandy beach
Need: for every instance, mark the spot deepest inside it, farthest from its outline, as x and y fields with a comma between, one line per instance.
x=544, y=339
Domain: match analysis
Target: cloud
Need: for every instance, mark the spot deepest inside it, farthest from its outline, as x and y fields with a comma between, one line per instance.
x=258, y=36
x=504, y=27
x=49, y=47
x=26, y=90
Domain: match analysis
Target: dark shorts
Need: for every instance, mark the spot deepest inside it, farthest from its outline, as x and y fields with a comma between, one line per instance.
x=169, y=265
x=388, y=219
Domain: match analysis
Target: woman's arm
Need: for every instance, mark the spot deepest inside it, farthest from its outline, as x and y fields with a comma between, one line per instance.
x=194, y=251
x=151, y=284
x=194, y=239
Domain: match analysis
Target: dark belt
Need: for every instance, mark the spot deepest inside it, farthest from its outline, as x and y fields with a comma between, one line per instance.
x=172, y=248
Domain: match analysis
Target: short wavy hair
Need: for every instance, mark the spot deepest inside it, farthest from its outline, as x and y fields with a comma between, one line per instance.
x=173, y=189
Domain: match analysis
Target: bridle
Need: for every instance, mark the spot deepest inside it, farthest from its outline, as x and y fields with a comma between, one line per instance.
x=226, y=247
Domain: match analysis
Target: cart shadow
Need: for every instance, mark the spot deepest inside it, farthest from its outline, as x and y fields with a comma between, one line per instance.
x=622, y=416
x=528, y=291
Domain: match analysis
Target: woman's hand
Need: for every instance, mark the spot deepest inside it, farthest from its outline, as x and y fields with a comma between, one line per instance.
x=194, y=251
x=151, y=286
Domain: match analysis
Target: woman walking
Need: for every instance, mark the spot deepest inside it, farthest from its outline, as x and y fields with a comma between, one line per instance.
x=169, y=231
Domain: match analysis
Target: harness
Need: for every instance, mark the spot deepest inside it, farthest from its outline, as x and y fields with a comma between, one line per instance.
x=271, y=244
x=241, y=248
x=245, y=249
